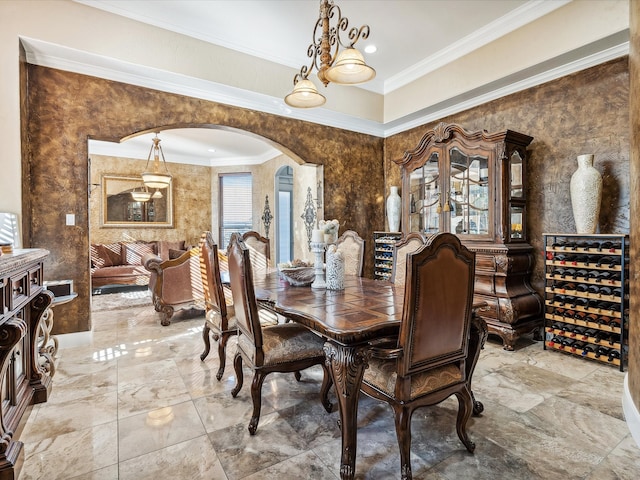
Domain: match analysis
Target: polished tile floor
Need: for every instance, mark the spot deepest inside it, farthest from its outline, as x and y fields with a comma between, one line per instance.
x=135, y=402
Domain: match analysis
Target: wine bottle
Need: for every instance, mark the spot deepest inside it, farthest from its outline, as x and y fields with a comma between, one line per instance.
x=614, y=353
x=602, y=351
x=577, y=346
x=588, y=348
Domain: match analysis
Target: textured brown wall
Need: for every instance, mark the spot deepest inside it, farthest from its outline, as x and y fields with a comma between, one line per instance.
x=191, y=202
x=586, y=112
x=64, y=109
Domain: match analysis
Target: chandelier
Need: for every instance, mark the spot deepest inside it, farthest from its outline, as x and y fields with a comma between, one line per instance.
x=345, y=67
x=156, y=178
x=142, y=195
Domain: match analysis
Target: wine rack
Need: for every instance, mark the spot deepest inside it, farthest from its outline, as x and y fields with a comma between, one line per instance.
x=586, y=296
x=383, y=252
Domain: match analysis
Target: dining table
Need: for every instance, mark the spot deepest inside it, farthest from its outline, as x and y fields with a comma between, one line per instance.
x=351, y=320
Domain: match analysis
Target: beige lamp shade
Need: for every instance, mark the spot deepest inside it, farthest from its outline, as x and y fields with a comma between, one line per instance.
x=304, y=95
x=141, y=196
x=156, y=179
x=350, y=68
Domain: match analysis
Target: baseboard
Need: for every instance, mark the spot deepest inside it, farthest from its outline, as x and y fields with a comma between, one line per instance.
x=77, y=339
x=631, y=413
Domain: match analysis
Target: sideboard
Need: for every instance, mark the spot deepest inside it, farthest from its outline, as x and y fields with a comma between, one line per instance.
x=25, y=376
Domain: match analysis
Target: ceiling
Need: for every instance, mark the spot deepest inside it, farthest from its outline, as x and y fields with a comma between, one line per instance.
x=423, y=35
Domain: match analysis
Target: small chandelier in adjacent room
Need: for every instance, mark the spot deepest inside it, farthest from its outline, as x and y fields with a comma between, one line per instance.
x=156, y=178
x=346, y=67
x=142, y=195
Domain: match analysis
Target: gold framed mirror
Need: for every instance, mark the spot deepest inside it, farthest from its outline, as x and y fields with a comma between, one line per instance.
x=120, y=208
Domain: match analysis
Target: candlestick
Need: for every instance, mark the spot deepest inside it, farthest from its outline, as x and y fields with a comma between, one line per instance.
x=318, y=249
x=317, y=236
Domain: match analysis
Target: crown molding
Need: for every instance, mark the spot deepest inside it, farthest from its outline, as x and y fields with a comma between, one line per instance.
x=508, y=23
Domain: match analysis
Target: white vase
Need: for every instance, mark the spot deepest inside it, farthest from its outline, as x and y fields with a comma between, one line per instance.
x=586, y=192
x=335, y=269
x=393, y=210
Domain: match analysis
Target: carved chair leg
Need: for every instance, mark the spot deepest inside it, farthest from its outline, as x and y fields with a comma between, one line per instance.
x=207, y=342
x=167, y=313
x=403, y=433
x=256, y=396
x=237, y=366
x=222, y=354
x=465, y=407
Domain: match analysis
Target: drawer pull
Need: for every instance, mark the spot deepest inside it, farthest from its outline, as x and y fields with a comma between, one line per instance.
x=18, y=290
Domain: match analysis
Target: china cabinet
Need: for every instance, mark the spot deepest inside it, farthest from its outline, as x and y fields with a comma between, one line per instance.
x=473, y=184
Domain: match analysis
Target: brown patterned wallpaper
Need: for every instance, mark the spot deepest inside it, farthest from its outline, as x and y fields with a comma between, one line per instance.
x=64, y=109
x=586, y=112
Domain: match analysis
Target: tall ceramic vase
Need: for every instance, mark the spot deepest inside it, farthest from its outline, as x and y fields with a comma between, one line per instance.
x=586, y=192
x=393, y=210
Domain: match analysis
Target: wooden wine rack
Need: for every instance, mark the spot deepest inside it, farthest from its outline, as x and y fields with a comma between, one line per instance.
x=384, y=243
x=573, y=261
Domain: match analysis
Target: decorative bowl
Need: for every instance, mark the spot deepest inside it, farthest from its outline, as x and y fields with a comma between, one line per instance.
x=298, y=276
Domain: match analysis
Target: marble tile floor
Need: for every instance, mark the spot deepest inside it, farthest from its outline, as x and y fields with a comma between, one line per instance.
x=135, y=402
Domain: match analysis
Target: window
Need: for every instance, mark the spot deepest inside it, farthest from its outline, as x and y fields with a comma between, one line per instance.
x=235, y=205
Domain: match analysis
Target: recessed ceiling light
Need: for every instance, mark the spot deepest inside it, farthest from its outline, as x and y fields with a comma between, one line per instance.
x=370, y=49
x=212, y=150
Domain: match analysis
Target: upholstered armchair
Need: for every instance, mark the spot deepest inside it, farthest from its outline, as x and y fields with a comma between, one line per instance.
x=352, y=248
x=286, y=347
x=175, y=284
x=432, y=358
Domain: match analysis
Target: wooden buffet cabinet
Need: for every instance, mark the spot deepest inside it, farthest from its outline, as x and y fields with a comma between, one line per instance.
x=472, y=184
x=25, y=373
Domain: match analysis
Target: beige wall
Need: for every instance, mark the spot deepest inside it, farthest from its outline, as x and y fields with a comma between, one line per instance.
x=191, y=202
x=263, y=176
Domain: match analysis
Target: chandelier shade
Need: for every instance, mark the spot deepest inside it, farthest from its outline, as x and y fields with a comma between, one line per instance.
x=305, y=95
x=156, y=178
x=143, y=195
x=346, y=67
x=350, y=69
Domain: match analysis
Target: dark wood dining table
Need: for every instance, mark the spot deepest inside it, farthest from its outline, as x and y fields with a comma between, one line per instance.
x=365, y=311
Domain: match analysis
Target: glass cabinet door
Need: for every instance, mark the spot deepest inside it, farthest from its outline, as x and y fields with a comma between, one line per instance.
x=425, y=201
x=467, y=199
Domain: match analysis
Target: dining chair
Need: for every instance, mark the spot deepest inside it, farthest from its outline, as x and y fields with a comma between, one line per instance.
x=409, y=244
x=286, y=347
x=352, y=248
x=428, y=363
x=220, y=320
x=260, y=249
x=260, y=252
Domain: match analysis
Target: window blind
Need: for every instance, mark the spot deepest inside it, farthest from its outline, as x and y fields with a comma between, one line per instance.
x=236, y=212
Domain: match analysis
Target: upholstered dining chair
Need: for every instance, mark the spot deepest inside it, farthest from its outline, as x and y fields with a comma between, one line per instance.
x=220, y=320
x=352, y=248
x=260, y=252
x=428, y=363
x=286, y=347
x=409, y=244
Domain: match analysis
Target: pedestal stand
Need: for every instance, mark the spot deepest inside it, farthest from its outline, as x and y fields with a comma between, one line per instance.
x=318, y=249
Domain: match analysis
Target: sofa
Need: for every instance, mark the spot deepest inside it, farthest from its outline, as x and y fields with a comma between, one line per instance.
x=120, y=263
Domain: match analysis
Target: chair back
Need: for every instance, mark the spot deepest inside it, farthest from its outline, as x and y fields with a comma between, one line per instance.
x=409, y=244
x=436, y=316
x=260, y=252
x=244, y=298
x=212, y=283
x=352, y=248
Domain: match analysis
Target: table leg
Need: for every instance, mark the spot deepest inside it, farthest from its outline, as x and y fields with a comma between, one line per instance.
x=347, y=366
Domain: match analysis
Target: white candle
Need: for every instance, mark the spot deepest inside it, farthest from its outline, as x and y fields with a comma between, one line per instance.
x=317, y=236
